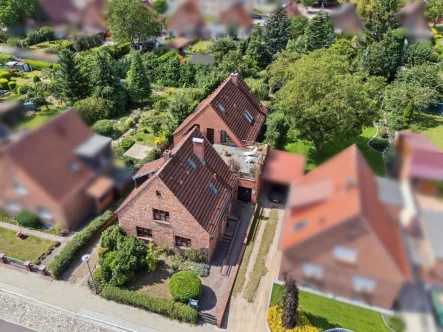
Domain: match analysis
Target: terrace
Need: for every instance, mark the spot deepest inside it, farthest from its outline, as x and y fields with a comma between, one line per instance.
x=247, y=161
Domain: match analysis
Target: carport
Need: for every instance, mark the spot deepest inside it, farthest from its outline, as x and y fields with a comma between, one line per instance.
x=281, y=168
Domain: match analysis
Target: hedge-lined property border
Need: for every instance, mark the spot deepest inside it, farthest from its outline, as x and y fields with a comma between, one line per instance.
x=70, y=251
x=158, y=305
x=38, y=65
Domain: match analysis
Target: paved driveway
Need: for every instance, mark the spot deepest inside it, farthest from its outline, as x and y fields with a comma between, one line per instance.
x=8, y=327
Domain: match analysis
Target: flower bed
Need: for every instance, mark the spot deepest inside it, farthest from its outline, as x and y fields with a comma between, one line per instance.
x=274, y=320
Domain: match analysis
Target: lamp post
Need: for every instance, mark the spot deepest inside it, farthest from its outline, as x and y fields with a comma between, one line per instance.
x=85, y=259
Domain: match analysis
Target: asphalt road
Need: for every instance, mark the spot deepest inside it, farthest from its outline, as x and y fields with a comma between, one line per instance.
x=8, y=327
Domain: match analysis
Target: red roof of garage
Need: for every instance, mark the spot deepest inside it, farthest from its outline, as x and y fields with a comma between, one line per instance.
x=283, y=167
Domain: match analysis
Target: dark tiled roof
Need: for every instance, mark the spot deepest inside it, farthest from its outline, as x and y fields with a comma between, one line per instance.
x=236, y=99
x=192, y=186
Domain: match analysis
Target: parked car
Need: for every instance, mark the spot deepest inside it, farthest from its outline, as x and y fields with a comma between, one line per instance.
x=277, y=193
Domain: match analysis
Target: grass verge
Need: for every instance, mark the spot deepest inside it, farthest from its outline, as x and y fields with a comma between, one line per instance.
x=259, y=266
x=241, y=276
x=29, y=249
x=326, y=313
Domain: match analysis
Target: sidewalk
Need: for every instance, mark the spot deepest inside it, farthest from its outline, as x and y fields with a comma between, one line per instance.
x=48, y=236
x=79, y=300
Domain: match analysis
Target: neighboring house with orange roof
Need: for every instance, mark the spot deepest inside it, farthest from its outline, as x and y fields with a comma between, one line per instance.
x=341, y=232
x=182, y=200
x=412, y=19
x=62, y=172
x=420, y=162
x=187, y=21
x=237, y=16
x=346, y=19
x=231, y=115
x=212, y=8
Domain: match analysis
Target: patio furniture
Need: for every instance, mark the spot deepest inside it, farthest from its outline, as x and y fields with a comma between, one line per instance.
x=250, y=153
x=193, y=303
x=20, y=235
x=249, y=159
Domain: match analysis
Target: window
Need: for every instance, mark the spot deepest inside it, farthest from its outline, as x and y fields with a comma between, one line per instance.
x=193, y=165
x=312, y=270
x=20, y=189
x=345, y=254
x=144, y=232
x=13, y=206
x=44, y=213
x=221, y=108
x=249, y=117
x=158, y=193
x=299, y=225
x=160, y=215
x=182, y=242
x=362, y=284
x=214, y=190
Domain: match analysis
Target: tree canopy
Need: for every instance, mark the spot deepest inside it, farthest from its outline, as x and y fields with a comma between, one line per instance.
x=139, y=85
x=277, y=31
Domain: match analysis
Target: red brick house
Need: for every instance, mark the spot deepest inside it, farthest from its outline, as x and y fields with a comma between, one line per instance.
x=183, y=199
x=341, y=232
x=231, y=115
x=62, y=172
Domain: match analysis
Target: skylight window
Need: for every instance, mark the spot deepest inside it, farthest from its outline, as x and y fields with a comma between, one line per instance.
x=214, y=190
x=221, y=108
x=345, y=254
x=193, y=165
x=249, y=117
x=299, y=225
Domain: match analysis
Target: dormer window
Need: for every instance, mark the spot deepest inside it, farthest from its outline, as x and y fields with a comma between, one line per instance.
x=20, y=189
x=345, y=254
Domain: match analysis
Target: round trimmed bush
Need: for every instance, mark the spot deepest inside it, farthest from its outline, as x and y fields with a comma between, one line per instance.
x=5, y=74
x=36, y=79
x=12, y=85
x=4, y=84
x=23, y=89
x=28, y=219
x=185, y=285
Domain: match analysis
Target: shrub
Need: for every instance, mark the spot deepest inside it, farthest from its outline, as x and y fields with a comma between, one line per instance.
x=274, y=320
x=111, y=237
x=36, y=79
x=92, y=109
x=5, y=58
x=396, y=323
x=103, y=127
x=6, y=75
x=38, y=65
x=201, y=269
x=23, y=89
x=70, y=251
x=12, y=85
x=83, y=43
x=125, y=144
x=161, y=306
x=28, y=219
x=185, y=285
x=151, y=261
x=4, y=84
x=379, y=144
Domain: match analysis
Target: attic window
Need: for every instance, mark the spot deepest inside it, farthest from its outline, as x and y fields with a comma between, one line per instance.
x=300, y=225
x=249, y=117
x=158, y=193
x=193, y=165
x=345, y=254
x=221, y=108
x=214, y=190
x=73, y=166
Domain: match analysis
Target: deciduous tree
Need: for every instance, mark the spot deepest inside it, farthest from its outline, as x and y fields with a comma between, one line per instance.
x=433, y=10
x=160, y=6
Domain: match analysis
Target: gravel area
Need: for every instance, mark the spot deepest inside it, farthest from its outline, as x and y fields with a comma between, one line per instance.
x=42, y=318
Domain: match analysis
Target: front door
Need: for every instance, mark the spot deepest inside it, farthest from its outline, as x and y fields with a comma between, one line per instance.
x=244, y=194
x=210, y=135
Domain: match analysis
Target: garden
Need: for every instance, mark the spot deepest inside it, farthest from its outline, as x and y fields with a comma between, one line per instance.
x=153, y=278
x=29, y=220
x=318, y=313
x=30, y=248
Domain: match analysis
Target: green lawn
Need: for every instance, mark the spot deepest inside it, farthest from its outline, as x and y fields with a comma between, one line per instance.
x=202, y=45
x=145, y=139
x=40, y=118
x=29, y=249
x=430, y=126
x=326, y=313
x=313, y=159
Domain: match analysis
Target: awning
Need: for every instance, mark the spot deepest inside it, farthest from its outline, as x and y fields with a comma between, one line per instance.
x=283, y=167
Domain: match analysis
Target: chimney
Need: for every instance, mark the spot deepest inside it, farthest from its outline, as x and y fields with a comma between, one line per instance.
x=199, y=150
x=166, y=155
x=234, y=78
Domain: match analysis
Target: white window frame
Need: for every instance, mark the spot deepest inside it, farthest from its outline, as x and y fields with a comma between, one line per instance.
x=44, y=213
x=13, y=206
x=363, y=285
x=20, y=189
x=345, y=254
x=311, y=270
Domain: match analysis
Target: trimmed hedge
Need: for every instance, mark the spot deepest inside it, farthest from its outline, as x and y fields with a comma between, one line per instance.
x=185, y=285
x=70, y=251
x=5, y=74
x=12, y=85
x=161, y=306
x=5, y=58
x=28, y=219
x=38, y=65
x=4, y=84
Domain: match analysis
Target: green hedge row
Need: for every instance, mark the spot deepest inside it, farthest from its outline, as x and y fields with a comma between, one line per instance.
x=70, y=251
x=38, y=65
x=158, y=305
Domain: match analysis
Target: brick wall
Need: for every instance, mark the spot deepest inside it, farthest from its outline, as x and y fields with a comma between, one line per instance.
x=181, y=222
x=208, y=118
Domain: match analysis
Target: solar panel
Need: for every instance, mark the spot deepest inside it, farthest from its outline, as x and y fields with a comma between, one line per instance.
x=193, y=165
x=214, y=190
